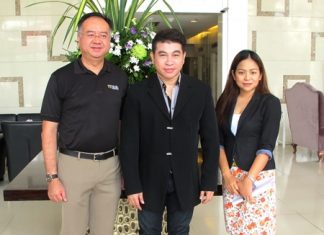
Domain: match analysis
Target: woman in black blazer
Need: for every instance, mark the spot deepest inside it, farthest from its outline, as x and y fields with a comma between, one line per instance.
x=249, y=117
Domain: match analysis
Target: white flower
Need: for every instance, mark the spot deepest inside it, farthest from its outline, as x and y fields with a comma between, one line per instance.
x=136, y=68
x=116, y=36
x=139, y=41
x=122, y=54
x=117, y=50
x=152, y=34
x=133, y=60
x=129, y=45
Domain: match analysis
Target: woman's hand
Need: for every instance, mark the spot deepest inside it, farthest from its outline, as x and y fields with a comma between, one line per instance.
x=245, y=189
x=231, y=183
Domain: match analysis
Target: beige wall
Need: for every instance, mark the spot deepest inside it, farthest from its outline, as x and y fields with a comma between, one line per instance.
x=289, y=37
x=25, y=63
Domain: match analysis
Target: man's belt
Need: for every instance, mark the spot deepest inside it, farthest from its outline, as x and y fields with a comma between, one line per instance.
x=90, y=156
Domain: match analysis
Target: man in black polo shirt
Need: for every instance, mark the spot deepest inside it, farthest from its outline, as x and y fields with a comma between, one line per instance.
x=82, y=107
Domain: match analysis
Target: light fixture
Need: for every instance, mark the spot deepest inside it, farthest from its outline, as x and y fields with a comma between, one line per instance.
x=194, y=21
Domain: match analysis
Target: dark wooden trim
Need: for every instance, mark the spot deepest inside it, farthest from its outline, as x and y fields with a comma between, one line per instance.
x=25, y=195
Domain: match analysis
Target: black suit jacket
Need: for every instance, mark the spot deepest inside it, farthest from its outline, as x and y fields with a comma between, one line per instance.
x=257, y=129
x=147, y=135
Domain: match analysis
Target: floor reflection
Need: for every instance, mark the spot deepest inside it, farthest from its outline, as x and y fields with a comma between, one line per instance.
x=300, y=203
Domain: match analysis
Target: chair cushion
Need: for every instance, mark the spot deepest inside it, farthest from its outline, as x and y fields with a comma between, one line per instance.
x=7, y=117
x=321, y=112
x=303, y=112
x=23, y=143
x=29, y=117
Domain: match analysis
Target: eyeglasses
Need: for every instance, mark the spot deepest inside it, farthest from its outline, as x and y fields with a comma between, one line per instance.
x=93, y=35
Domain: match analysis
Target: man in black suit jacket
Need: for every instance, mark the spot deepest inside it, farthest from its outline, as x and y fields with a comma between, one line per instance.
x=163, y=118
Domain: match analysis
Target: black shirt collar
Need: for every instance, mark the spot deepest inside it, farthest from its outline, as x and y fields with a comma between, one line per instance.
x=81, y=69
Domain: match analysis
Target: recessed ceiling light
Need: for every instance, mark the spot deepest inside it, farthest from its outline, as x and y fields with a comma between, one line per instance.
x=194, y=21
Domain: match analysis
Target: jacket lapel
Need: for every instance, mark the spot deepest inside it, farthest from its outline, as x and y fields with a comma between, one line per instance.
x=184, y=94
x=155, y=91
x=248, y=111
x=230, y=117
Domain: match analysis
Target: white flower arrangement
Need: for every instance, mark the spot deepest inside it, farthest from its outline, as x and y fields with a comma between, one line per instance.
x=130, y=49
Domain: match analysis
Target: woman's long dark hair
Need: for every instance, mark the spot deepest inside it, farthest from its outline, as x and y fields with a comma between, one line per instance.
x=231, y=91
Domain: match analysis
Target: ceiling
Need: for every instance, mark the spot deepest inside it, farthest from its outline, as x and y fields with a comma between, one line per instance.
x=204, y=22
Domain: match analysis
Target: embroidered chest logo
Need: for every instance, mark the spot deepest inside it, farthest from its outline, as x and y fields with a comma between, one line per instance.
x=113, y=87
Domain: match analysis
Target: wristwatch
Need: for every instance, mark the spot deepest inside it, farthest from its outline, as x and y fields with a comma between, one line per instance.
x=50, y=177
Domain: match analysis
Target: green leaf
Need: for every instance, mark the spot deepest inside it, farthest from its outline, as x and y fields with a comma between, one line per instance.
x=112, y=12
x=69, y=32
x=147, y=12
x=92, y=6
x=66, y=3
x=164, y=18
x=173, y=14
x=121, y=19
x=58, y=25
x=100, y=7
x=131, y=13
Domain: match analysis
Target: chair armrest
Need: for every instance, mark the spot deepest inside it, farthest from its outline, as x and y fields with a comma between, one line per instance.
x=321, y=112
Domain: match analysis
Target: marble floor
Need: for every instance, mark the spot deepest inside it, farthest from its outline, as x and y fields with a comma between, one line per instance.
x=300, y=191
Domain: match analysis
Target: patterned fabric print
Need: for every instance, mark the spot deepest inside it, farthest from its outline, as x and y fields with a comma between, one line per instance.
x=257, y=218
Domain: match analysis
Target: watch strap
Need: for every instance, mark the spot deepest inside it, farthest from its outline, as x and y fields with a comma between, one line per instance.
x=50, y=177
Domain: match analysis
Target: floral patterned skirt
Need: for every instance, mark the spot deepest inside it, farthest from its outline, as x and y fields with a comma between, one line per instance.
x=259, y=218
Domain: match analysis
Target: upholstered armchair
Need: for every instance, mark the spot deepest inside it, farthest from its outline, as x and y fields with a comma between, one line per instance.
x=29, y=117
x=305, y=107
x=3, y=151
x=23, y=143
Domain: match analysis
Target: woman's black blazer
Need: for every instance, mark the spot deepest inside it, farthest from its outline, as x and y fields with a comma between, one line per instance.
x=257, y=129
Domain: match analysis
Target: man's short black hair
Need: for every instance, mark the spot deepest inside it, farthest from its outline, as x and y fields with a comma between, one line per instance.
x=95, y=14
x=172, y=35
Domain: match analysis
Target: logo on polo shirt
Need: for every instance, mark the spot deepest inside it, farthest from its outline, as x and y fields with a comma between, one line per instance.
x=113, y=87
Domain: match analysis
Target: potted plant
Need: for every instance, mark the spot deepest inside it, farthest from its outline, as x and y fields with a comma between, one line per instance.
x=132, y=37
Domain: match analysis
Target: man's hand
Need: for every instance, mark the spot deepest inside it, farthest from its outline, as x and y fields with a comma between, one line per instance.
x=136, y=200
x=206, y=196
x=56, y=191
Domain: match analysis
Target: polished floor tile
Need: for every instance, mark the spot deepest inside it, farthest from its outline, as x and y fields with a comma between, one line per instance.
x=300, y=203
x=37, y=218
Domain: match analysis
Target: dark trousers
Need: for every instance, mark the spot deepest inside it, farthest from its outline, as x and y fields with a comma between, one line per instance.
x=177, y=220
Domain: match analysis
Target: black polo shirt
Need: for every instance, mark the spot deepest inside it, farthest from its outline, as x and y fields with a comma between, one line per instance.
x=86, y=106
